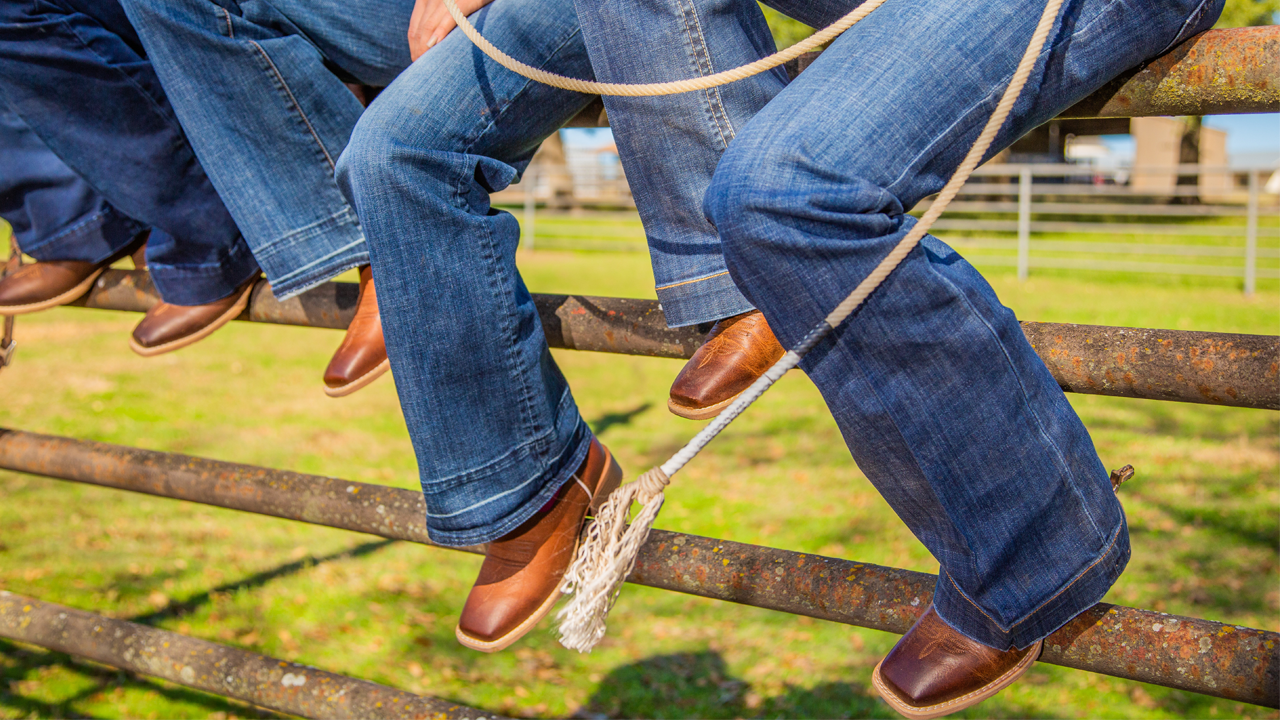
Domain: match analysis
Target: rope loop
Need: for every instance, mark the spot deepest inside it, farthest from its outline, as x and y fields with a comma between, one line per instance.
x=650, y=485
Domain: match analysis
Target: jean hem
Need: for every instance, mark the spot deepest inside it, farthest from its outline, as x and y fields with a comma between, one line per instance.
x=340, y=231
x=1081, y=592
x=189, y=285
x=563, y=468
x=702, y=300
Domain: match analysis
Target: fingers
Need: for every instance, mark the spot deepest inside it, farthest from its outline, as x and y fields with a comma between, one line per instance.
x=431, y=22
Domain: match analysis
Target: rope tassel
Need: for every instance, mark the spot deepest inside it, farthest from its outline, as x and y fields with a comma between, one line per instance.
x=606, y=557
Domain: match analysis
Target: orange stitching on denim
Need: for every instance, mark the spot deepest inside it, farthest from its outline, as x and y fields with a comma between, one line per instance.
x=231, y=32
x=690, y=282
x=1114, y=538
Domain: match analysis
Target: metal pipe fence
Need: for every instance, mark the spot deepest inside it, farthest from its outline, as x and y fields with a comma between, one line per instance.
x=1187, y=366
x=264, y=681
x=1200, y=656
x=1029, y=216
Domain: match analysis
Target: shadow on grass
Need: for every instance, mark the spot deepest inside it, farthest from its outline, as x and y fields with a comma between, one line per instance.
x=699, y=685
x=178, y=609
x=28, y=662
x=608, y=420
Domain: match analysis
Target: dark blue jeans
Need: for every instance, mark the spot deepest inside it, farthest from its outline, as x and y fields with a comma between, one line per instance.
x=54, y=213
x=74, y=71
x=941, y=399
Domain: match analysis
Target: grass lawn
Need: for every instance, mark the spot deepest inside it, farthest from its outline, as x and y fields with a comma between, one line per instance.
x=1204, y=512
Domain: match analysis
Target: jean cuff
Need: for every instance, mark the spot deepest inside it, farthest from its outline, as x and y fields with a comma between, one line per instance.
x=93, y=238
x=481, y=526
x=204, y=283
x=339, y=237
x=702, y=300
x=1080, y=593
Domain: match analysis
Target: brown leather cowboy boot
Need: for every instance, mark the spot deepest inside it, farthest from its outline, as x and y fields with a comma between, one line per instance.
x=362, y=356
x=519, y=581
x=935, y=671
x=50, y=283
x=738, y=350
x=167, y=327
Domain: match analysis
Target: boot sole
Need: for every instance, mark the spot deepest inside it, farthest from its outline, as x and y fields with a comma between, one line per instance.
x=343, y=390
x=957, y=704
x=231, y=314
x=610, y=482
x=702, y=413
x=66, y=297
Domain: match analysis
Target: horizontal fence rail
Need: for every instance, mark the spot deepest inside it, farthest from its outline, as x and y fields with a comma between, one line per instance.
x=1199, y=367
x=1190, y=654
x=1219, y=72
x=230, y=672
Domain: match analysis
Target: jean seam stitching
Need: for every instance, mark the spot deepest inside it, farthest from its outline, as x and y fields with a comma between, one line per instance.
x=698, y=49
x=302, y=114
x=231, y=31
x=1106, y=551
x=722, y=273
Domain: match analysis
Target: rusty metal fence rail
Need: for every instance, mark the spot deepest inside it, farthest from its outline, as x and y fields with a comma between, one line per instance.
x=230, y=672
x=1200, y=656
x=1186, y=366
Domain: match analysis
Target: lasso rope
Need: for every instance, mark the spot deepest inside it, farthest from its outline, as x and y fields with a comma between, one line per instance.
x=610, y=545
x=589, y=87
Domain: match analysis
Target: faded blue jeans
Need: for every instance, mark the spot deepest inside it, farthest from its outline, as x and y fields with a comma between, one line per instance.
x=942, y=401
x=75, y=73
x=493, y=423
x=258, y=85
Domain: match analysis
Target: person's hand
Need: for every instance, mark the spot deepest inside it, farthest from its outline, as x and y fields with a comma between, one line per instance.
x=431, y=22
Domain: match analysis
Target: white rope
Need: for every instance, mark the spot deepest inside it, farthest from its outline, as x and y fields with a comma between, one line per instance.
x=610, y=545
x=810, y=43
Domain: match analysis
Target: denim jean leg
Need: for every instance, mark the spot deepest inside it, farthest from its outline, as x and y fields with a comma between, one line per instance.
x=942, y=401
x=254, y=84
x=53, y=212
x=493, y=423
x=77, y=75
x=669, y=145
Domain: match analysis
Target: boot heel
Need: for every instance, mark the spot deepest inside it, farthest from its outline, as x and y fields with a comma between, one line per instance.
x=610, y=482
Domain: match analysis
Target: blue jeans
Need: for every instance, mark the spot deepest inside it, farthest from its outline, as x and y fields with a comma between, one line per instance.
x=74, y=72
x=419, y=169
x=257, y=86
x=941, y=399
x=494, y=426
x=54, y=213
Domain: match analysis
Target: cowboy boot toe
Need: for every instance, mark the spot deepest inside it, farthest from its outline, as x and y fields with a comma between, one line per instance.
x=737, y=351
x=362, y=356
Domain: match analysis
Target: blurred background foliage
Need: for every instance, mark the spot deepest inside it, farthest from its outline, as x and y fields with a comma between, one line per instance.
x=1237, y=13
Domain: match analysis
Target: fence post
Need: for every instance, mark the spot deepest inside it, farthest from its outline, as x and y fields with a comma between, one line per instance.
x=530, y=180
x=1251, y=238
x=1024, y=222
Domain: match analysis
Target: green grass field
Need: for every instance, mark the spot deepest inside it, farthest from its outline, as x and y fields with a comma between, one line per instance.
x=1204, y=513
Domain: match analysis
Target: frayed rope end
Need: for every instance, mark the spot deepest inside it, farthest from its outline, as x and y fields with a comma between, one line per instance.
x=605, y=558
